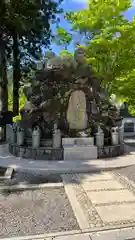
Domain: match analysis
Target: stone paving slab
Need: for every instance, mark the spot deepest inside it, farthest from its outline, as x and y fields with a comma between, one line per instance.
x=80, y=216
x=119, y=234
x=95, y=177
x=43, y=212
x=105, y=204
x=114, y=213
x=48, y=236
x=109, y=184
x=68, y=237
x=75, y=237
x=102, y=197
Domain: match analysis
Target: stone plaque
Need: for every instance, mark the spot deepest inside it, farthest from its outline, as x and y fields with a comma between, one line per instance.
x=76, y=113
x=79, y=142
x=66, y=142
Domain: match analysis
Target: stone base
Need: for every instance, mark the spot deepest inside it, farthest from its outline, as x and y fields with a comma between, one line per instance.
x=110, y=151
x=80, y=153
x=85, y=141
x=41, y=153
x=43, y=142
x=68, y=153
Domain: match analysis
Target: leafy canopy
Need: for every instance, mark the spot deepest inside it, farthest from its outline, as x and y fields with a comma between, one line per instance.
x=108, y=39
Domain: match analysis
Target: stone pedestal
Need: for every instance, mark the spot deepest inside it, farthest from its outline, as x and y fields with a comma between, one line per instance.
x=79, y=149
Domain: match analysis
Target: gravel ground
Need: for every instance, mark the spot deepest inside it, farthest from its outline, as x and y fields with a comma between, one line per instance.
x=130, y=141
x=35, y=212
x=33, y=178
x=129, y=172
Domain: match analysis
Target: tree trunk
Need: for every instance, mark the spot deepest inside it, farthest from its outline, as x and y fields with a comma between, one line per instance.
x=16, y=75
x=3, y=78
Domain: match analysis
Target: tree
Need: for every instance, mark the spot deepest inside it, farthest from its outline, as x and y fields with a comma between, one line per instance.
x=125, y=88
x=27, y=24
x=62, y=38
x=112, y=58
x=98, y=16
x=3, y=58
x=108, y=39
x=65, y=53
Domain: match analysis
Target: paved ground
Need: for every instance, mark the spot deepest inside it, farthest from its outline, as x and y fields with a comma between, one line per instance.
x=107, y=201
x=59, y=167
x=35, y=212
x=33, y=178
x=128, y=172
x=89, y=206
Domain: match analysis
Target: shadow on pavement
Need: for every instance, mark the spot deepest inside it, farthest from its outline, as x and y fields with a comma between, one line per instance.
x=37, y=177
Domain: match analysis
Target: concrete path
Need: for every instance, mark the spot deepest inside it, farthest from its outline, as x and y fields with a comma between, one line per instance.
x=103, y=204
x=101, y=201
x=7, y=160
x=119, y=234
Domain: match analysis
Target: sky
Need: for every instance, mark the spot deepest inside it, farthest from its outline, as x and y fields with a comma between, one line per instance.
x=76, y=5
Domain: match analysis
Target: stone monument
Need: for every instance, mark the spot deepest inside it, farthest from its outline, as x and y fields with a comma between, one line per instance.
x=76, y=113
x=66, y=91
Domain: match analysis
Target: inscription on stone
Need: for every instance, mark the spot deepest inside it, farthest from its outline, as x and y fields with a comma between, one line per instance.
x=79, y=142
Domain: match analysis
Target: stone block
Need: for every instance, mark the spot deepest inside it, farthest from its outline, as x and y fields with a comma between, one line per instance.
x=103, y=176
x=9, y=130
x=110, y=151
x=100, y=185
x=77, y=141
x=104, y=197
x=74, y=237
x=76, y=112
x=117, y=234
x=114, y=213
x=21, y=152
x=80, y=153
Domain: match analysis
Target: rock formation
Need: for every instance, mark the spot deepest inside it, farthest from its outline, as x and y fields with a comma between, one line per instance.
x=54, y=97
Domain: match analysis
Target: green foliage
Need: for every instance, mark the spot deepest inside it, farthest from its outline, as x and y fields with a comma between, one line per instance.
x=22, y=99
x=16, y=118
x=65, y=53
x=99, y=15
x=31, y=22
x=62, y=38
x=24, y=30
x=109, y=41
x=125, y=87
